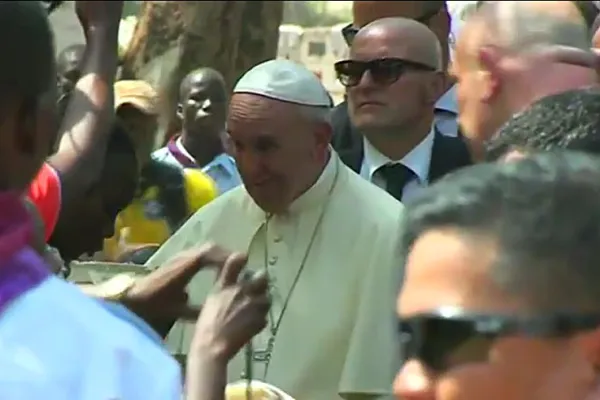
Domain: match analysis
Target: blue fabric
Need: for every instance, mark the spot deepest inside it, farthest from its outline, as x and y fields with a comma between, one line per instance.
x=124, y=314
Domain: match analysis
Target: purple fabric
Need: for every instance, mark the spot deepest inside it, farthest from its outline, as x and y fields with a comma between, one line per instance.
x=179, y=156
x=20, y=267
x=24, y=271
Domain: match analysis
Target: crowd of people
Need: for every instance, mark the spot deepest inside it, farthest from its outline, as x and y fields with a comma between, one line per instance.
x=434, y=236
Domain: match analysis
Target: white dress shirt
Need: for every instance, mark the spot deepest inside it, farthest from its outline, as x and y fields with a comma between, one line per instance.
x=417, y=160
x=58, y=344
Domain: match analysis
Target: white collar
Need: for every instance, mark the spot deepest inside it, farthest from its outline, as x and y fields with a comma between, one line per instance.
x=182, y=149
x=448, y=101
x=417, y=160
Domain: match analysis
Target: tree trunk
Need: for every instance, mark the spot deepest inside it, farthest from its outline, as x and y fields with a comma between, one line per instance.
x=259, y=37
x=159, y=27
x=229, y=36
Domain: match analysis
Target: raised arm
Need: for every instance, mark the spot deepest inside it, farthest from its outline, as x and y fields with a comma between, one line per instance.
x=89, y=114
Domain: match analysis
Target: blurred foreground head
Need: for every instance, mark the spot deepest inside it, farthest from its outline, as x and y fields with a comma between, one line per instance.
x=565, y=121
x=27, y=92
x=507, y=307
x=510, y=54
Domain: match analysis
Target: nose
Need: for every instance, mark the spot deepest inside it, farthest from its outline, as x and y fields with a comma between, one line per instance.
x=366, y=80
x=414, y=382
x=204, y=109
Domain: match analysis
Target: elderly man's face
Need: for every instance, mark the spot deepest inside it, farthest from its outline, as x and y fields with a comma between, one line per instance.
x=451, y=358
x=275, y=148
x=474, y=89
x=390, y=89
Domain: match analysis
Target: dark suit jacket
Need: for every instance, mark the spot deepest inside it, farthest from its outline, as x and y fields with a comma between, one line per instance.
x=448, y=153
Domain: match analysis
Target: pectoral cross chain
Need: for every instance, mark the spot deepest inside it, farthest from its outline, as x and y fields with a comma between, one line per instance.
x=264, y=356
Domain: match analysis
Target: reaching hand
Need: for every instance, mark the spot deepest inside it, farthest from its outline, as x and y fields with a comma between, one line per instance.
x=233, y=314
x=160, y=298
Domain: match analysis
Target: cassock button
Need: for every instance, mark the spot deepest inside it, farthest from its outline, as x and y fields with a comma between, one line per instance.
x=273, y=260
x=277, y=239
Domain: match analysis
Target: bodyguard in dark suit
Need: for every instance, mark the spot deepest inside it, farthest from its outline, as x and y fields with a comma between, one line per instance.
x=394, y=78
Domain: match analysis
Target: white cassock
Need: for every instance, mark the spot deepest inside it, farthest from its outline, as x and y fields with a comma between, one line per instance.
x=335, y=259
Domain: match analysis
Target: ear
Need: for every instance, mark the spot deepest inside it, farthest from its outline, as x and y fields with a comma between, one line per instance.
x=323, y=135
x=179, y=111
x=489, y=72
x=434, y=88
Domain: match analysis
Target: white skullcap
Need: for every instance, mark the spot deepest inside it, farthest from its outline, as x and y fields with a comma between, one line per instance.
x=284, y=80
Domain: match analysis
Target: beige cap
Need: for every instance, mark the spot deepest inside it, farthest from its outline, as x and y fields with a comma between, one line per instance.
x=139, y=94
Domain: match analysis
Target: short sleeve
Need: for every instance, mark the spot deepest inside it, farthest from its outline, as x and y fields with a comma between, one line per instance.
x=200, y=189
x=45, y=193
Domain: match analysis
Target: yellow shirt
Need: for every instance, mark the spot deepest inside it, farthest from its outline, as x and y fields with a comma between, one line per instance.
x=142, y=222
x=337, y=337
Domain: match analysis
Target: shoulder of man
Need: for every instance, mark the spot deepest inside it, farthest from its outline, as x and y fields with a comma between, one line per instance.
x=197, y=229
x=371, y=197
x=86, y=334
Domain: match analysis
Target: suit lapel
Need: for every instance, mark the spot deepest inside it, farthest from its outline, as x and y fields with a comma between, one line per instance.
x=447, y=154
x=353, y=155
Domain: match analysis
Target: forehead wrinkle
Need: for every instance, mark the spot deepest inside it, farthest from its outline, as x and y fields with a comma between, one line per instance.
x=251, y=108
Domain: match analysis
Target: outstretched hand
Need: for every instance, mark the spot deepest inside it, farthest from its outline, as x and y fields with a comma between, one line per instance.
x=160, y=298
x=233, y=314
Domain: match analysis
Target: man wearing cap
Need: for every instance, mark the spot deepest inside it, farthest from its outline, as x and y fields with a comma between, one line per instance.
x=167, y=195
x=327, y=238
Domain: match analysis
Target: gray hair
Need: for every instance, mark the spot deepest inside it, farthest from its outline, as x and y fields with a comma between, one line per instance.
x=521, y=28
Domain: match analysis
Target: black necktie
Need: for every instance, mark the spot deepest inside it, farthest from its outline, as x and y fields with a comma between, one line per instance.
x=396, y=177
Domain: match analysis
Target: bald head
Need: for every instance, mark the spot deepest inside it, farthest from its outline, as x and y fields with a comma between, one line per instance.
x=415, y=38
x=526, y=26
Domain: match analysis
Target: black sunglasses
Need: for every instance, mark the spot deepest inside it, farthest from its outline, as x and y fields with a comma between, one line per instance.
x=445, y=339
x=383, y=71
x=350, y=31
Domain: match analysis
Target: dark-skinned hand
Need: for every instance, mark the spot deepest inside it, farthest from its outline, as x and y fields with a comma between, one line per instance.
x=234, y=313
x=160, y=298
x=99, y=14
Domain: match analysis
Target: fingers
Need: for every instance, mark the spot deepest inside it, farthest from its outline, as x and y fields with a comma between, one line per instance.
x=189, y=312
x=231, y=270
x=185, y=266
x=257, y=285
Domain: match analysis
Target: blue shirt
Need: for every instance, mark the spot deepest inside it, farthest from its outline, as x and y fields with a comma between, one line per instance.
x=446, y=113
x=221, y=169
x=57, y=343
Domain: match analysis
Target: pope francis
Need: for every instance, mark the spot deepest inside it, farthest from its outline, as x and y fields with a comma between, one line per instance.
x=328, y=239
